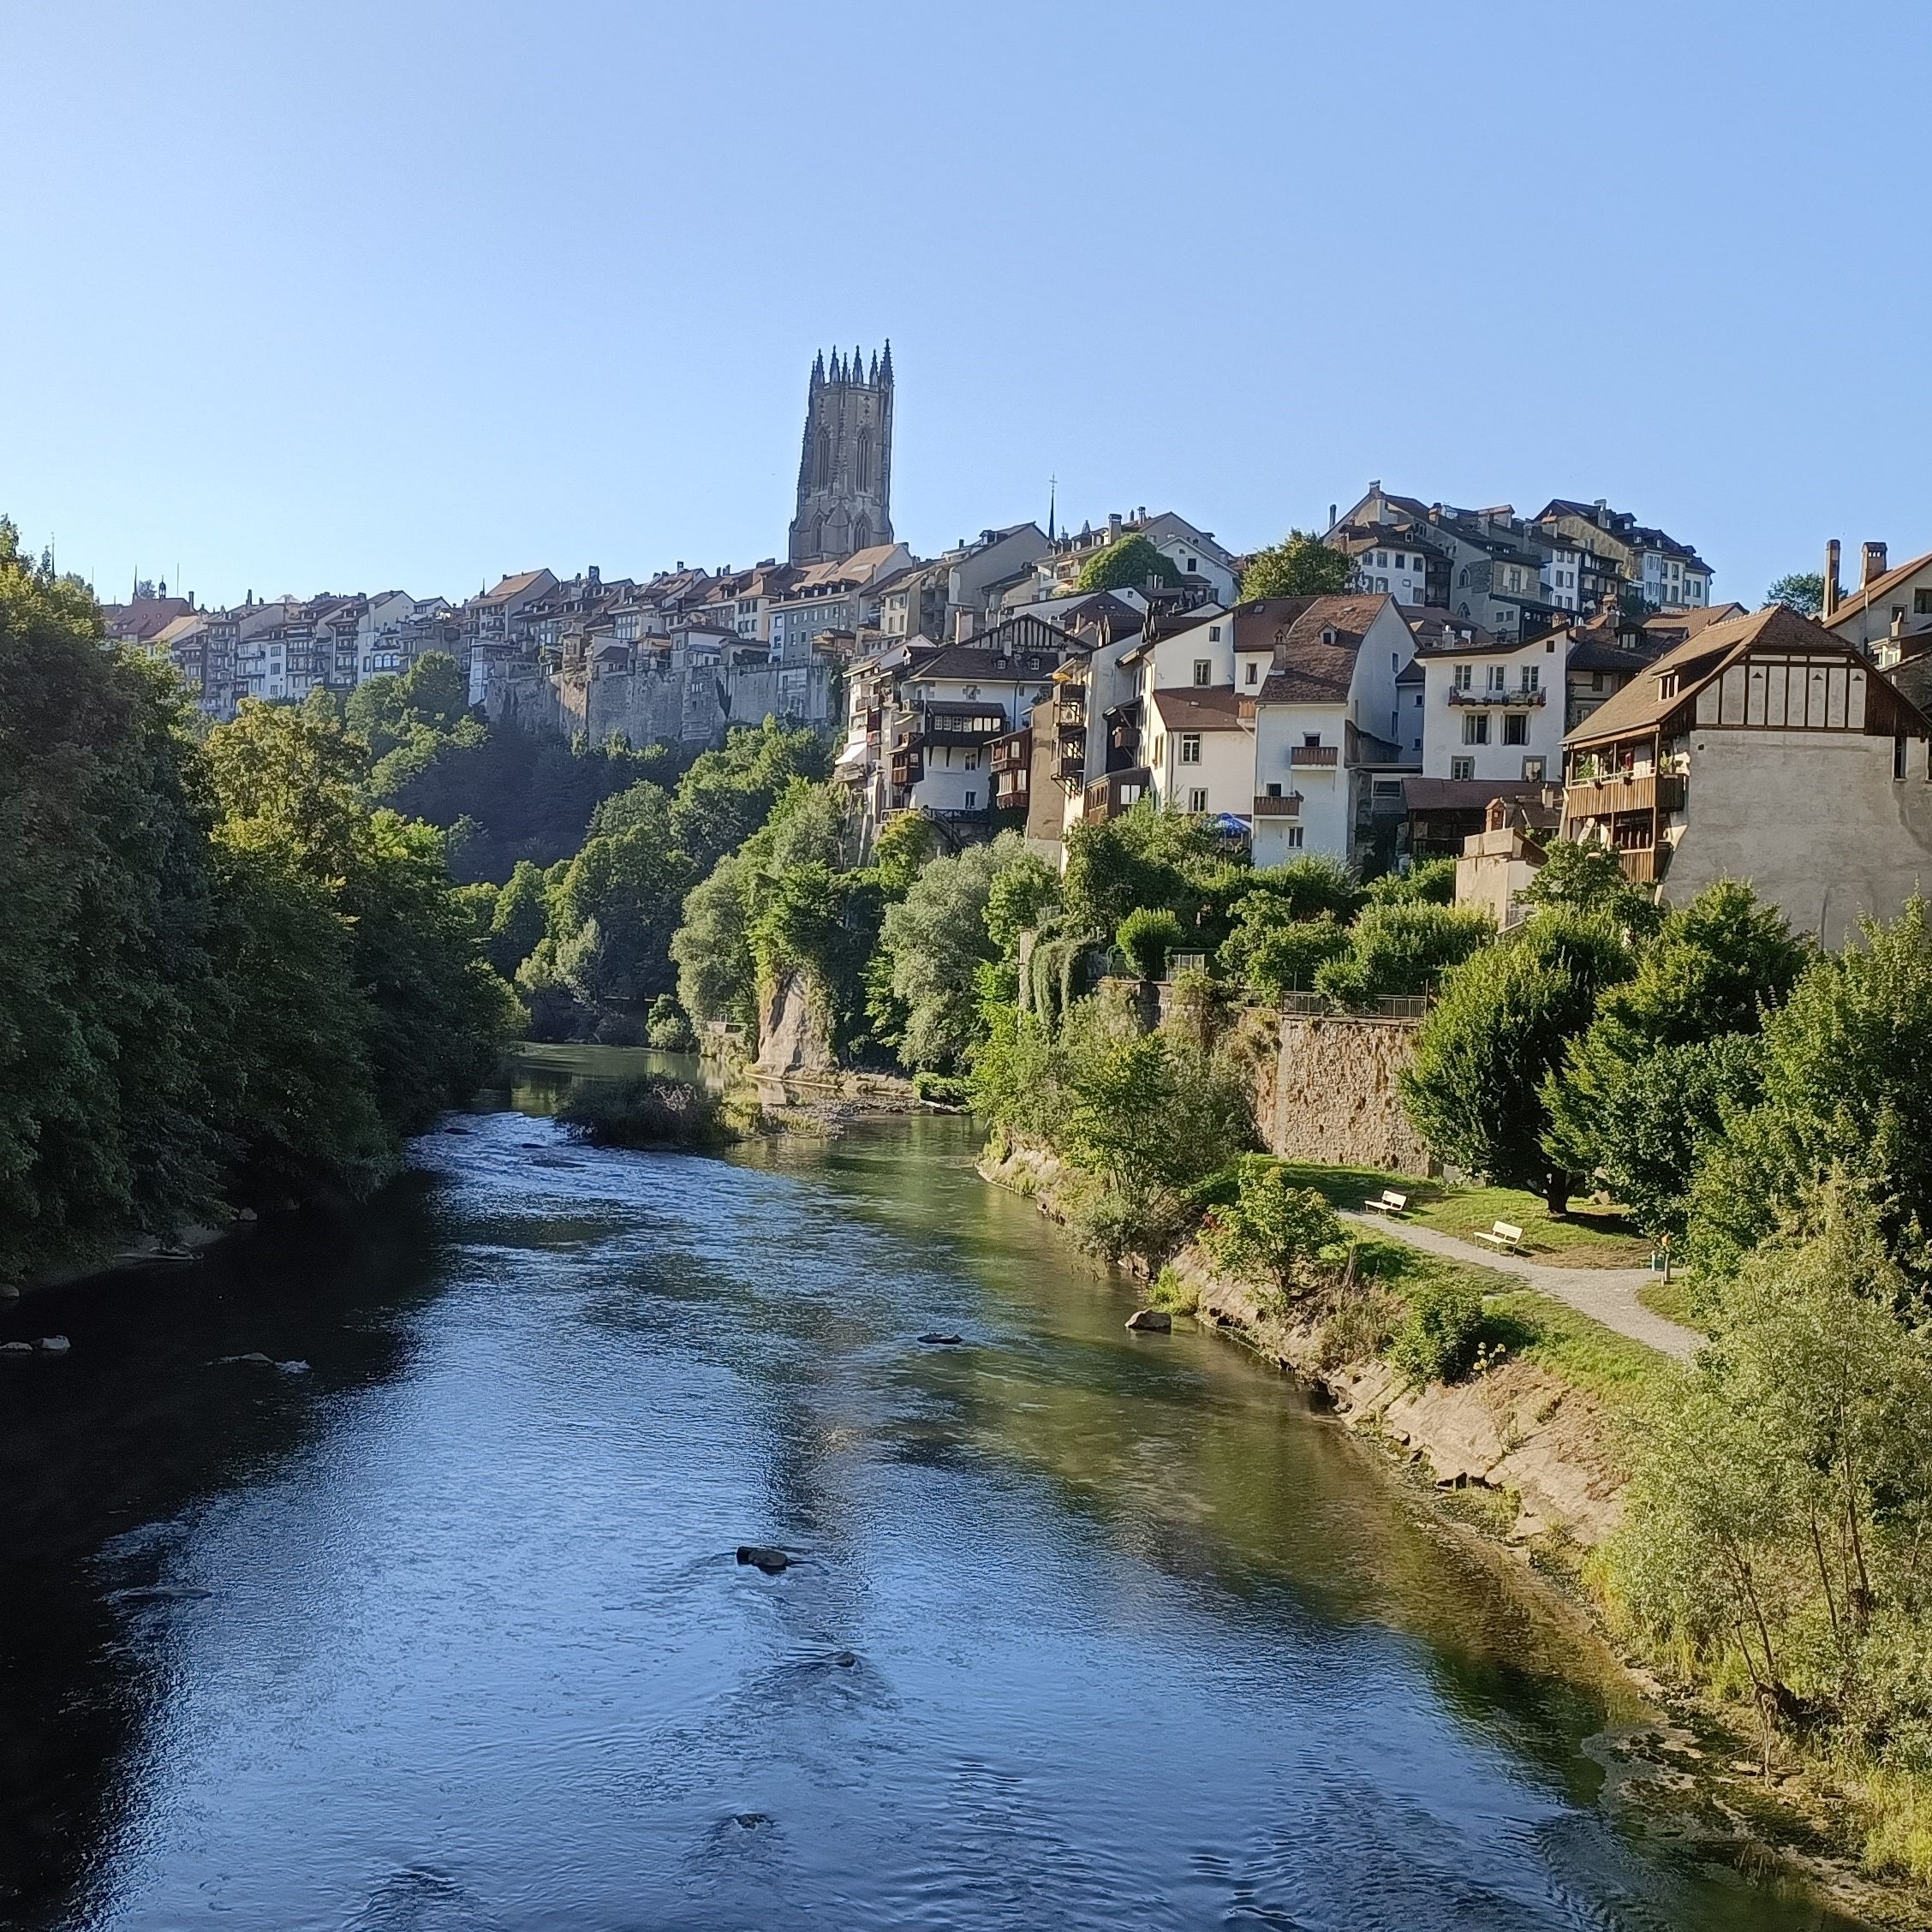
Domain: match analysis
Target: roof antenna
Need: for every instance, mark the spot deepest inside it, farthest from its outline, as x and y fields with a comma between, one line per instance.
x=1053, y=497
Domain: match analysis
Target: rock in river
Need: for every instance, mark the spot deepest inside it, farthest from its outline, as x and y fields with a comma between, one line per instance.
x=16, y=1347
x=937, y=1340
x=54, y=1345
x=762, y=1557
x=1151, y=1322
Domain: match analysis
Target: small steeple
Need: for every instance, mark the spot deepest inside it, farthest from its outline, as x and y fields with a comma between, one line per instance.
x=886, y=364
x=818, y=369
x=858, y=363
x=873, y=377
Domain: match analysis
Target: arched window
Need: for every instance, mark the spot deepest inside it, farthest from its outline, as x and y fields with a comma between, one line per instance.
x=864, y=477
x=860, y=535
x=821, y=468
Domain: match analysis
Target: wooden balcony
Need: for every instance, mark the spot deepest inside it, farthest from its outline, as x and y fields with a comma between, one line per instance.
x=1276, y=805
x=1320, y=757
x=1640, y=864
x=1108, y=797
x=1603, y=798
x=1013, y=752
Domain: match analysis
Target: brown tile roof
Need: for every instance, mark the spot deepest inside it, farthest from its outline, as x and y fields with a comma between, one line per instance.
x=1315, y=641
x=1198, y=707
x=1465, y=795
x=1854, y=601
x=1638, y=707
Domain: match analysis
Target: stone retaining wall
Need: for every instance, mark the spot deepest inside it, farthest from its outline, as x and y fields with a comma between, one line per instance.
x=1328, y=1092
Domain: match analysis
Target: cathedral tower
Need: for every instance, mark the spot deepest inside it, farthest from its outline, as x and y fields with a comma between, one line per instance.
x=845, y=471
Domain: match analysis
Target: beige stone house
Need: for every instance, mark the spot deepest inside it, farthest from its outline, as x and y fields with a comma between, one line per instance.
x=1765, y=749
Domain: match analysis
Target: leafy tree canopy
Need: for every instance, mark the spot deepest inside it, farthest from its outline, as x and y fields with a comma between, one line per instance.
x=1130, y=563
x=1803, y=590
x=1300, y=565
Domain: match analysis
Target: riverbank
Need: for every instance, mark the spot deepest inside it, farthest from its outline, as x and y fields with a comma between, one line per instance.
x=1527, y=1457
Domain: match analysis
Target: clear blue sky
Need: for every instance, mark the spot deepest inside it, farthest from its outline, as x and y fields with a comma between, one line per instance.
x=350, y=295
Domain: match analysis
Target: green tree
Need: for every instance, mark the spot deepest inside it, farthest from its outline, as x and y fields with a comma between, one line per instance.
x=1147, y=935
x=1272, y=1233
x=1131, y=562
x=728, y=794
x=1300, y=565
x=1505, y=1016
x=1428, y=881
x=933, y=943
x=519, y=919
x=1846, y=1086
x=1144, y=857
x=1398, y=947
x=1589, y=878
x=1803, y=590
x=1671, y=1050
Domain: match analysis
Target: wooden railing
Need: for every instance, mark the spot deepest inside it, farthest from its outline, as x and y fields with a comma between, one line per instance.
x=1601, y=798
x=1273, y=805
x=1322, y=757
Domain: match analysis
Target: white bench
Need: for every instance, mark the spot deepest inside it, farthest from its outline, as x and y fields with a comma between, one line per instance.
x=1392, y=1203
x=1503, y=1236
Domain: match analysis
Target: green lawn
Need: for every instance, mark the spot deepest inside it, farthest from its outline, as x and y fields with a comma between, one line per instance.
x=1588, y=1237
x=1672, y=1299
x=1531, y=1326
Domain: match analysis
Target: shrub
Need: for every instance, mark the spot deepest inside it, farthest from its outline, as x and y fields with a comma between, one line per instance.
x=940, y=1088
x=646, y=1112
x=667, y=1029
x=1440, y=1337
x=1362, y=1324
x=1285, y=958
x=1271, y=1232
x=1170, y=1292
x=1147, y=935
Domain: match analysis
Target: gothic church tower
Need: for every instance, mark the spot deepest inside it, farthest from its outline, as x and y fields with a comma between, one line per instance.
x=845, y=473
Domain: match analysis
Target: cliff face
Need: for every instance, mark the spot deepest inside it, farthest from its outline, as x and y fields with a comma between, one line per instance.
x=794, y=1036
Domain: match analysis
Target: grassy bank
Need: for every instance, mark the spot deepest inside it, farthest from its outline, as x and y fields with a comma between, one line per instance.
x=1588, y=1236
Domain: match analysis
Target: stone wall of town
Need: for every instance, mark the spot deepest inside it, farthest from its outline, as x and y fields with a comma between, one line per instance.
x=1327, y=1092
x=690, y=704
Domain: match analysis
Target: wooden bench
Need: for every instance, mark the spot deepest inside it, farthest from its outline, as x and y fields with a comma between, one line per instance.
x=1504, y=1235
x=1392, y=1203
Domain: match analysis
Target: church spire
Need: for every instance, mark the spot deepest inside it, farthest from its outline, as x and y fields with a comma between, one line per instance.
x=886, y=364
x=818, y=369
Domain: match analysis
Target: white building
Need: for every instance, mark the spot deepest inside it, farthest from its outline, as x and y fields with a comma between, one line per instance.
x=1492, y=708
x=1323, y=672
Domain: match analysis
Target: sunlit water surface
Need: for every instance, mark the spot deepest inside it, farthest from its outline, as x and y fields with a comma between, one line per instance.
x=445, y=1631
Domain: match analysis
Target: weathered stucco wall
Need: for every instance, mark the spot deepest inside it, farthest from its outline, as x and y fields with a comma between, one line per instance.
x=1328, y=1092
x=690, y=704
x=1815, y=820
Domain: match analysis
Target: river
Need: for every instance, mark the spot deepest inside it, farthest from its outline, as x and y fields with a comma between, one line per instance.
x=442, y=1631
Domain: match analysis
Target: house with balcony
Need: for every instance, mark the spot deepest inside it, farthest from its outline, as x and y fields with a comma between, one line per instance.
x=1767, y=749
x=1324, y=710
x=1201, y=751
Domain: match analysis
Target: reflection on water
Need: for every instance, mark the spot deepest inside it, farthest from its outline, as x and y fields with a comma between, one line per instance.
x=1081, y=1630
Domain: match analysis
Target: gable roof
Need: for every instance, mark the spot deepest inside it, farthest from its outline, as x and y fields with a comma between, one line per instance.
x=1641, y=706
x=1315, y=641
x=1198, y=707
x=1855, y=602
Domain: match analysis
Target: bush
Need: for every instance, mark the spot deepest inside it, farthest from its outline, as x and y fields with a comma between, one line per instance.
x=649, y=1111
x=940, y=1088
x=1147, y=935
x=667, y=1030
x=1272, y=1233
x=1439, y=1339
x=1286, y=958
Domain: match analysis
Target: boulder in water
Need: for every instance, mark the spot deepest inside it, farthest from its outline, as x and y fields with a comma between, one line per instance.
x=54, y=1345
x=935, y=1339
x=253, y=1359
x=762, y=1556
x=16, y=1347
x=1150, y=1321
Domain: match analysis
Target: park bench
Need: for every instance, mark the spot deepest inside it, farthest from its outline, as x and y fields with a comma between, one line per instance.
x=1504, y=1235
x=1392, y=1204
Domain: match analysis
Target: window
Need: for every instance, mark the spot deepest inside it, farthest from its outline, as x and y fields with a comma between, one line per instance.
x=1475, y=727
x=1214, y=634
x=1197, y=799
x=1191, y=748
x=1922, y=603
x=972, y=799
x=1311, y=738
x=1462, y=767
x=1898, y=613
x=1516, y=728
x=1204, y=671
x=1533, y=769
x=1897, y=758
x=1294, y=838
x=972, y=761
x=1499, y=677
x=1464, y=675
x=1532, y=677
x=1253, y=671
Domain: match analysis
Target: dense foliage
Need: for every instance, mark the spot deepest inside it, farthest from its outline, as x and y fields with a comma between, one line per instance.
x=1300, y=565
x=1131, y=562
x=229, y=980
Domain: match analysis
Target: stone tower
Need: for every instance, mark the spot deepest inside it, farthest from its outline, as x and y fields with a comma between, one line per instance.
x=845, y=471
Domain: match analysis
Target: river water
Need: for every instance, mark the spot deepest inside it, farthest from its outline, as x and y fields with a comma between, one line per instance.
x=443, y=1632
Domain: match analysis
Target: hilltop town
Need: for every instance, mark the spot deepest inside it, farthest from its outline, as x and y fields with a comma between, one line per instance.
x=1425, y=681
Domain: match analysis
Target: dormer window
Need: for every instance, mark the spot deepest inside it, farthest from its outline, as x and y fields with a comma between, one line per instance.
x=1328, y=634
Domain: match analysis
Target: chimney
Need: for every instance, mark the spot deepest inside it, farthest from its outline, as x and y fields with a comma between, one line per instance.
x=1331, y=517
x=1830, y=609
x=1113, y=524
x=1871, y=565
x=1140, y=515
